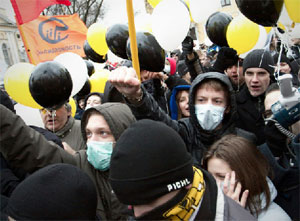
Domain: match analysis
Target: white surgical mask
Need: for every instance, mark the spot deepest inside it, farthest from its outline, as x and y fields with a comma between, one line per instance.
x=209, y=116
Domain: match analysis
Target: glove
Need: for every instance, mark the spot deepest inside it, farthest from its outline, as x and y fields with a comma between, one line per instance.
x=187, y=45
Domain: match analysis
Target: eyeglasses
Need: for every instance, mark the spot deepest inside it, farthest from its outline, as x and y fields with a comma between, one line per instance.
x=267, y=114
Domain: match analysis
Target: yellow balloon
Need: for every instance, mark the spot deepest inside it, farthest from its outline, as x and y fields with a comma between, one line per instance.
x=268, y=29
x=293, y=9
x=242, y=34
x=98, y=80
x=153, y=3
x=16, y=83
x=73, y=106
x=96, y=38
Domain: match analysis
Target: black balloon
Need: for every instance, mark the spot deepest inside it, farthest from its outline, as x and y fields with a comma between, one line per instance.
x=116, y=38
x=151, y=55
x=50, y=84
x=263, y=12
x=90, y=67
x=216, y=27
x=92, y=55
x=86, y=89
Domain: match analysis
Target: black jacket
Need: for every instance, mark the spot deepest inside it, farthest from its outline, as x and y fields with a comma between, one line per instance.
x=196, y=139
x=250, y=110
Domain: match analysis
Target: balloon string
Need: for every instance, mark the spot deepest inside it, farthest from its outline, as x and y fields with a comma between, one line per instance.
x=238, y=72
x=278, y=62
x=53, y=114
x=132, y=37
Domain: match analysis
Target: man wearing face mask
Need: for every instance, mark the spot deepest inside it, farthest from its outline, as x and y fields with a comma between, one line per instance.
x=101, y=127
x=211, y=104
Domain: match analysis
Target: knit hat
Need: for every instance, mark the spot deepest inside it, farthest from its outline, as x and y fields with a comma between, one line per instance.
x=172, y=65
x=260, y=58
x=283, y=58
x=118, y=116
x=149, y=160
x=55, y=192
x=226, y=58
x=182, y=68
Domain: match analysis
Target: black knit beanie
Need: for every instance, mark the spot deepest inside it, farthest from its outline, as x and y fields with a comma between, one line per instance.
x=260, y=58
x=55, y=192
x=149, y=160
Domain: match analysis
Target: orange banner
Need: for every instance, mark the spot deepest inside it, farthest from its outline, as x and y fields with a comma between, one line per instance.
x=48, y=36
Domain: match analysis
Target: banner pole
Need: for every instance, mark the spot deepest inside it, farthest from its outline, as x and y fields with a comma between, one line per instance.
x=28, y=52
x=132, y=37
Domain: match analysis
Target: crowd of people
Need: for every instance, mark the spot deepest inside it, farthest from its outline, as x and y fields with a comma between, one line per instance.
x=198, y=140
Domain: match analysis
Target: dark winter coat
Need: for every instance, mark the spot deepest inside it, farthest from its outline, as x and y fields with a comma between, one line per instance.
x=250, y=110
x=196, y=139
x=24, y=147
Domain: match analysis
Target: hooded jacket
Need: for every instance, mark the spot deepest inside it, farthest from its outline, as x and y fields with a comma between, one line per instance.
x=24, y=147
x=196, y=139
x=173, y=103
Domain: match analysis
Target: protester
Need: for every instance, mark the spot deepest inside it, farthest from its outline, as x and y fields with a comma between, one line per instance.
x=183, y=71
x=152, y=171
x=61, y=123
x=25, y=148
x=211, y=105
x=285, y=67
x=93, y=99
x=242, y=170
x=258, y=68
x=179, y=102
x=55, y=192
x=229, y=63
x=283, y=152
x=170, y=66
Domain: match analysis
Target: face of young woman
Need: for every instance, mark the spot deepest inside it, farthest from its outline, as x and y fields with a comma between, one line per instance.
x=183, y=103
x=218, y=168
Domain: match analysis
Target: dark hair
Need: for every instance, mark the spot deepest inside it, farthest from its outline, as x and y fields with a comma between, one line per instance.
x=217, y=85
x=249, y=164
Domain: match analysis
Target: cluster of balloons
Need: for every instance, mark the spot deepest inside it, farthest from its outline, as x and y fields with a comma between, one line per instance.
x=49, y=84
x=250, y=29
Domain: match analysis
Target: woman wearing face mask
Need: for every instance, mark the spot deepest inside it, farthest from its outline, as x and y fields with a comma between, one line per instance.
x=101, y=127
x=211, y=105
x=239, y=167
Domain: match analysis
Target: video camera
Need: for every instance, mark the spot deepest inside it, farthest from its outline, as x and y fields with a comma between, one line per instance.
x=287, y=110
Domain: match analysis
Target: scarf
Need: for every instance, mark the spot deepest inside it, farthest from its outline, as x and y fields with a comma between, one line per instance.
x=187, y=206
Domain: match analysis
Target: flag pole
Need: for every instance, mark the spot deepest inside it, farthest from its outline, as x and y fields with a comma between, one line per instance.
x=132, y=37
x=28, y=52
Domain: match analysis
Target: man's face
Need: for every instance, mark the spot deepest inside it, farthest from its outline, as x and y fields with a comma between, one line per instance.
x=208, y=95
x=97, y=129
x=59, y=119
x=235, y=74
x=257, y=80
x=285, y=68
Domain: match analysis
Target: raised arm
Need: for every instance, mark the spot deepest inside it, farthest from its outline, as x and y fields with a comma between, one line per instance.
x=24, y=147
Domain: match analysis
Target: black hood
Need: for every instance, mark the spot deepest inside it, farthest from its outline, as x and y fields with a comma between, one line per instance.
x=228, y=118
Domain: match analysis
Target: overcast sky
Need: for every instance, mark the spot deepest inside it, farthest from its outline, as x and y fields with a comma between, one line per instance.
x=115, y=10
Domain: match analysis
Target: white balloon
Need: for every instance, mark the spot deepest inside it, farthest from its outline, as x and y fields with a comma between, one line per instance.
x=76, y=67
x=202, y=9
x=170, y=23
x=284, y=17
